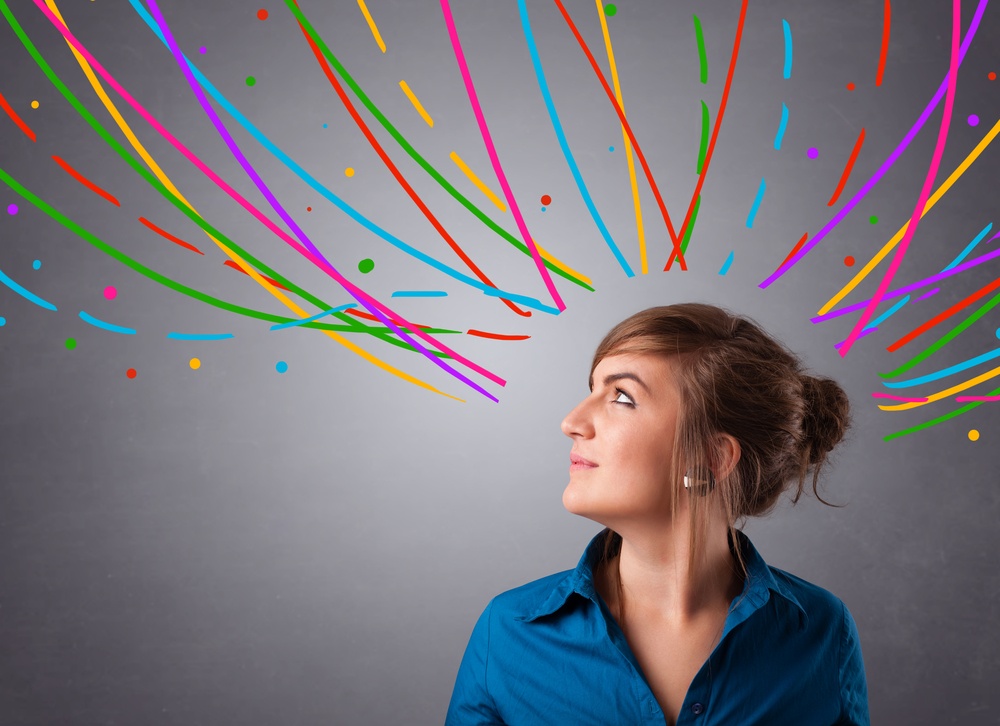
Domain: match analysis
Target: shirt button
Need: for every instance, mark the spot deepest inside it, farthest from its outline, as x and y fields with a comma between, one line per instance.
x=697, y=709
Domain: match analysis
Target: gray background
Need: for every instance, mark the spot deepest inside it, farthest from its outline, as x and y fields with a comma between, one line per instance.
x=231, y=545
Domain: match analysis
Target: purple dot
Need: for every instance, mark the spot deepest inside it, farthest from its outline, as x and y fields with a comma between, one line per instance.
x=973, y=120
x=12, y=209
x=202, y=50
x=812, y=153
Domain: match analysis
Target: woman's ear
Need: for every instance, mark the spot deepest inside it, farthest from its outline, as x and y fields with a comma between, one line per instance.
x=727, y=456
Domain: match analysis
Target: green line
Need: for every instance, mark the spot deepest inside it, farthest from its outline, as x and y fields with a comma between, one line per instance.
x=944, y=340
x=940, y=419
x=690, y=227
x=342, y=72
x=702, y=57
x=703, y=149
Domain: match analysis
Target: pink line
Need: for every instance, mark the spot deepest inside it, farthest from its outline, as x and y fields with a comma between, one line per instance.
x=494, y=159
x=962, y=399
x=359, y=294
x=899, y=398
x=897, y=259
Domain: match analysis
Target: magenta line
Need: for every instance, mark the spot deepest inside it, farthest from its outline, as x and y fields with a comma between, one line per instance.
x=877, y=176
x=925, y=192
x=316, y=258
x=904, y=399
x=494, y=159
x=963, y=399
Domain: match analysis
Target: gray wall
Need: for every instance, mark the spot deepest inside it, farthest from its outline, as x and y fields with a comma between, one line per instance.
x=232, y=545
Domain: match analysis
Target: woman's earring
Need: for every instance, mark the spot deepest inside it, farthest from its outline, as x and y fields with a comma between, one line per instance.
x=699, y=487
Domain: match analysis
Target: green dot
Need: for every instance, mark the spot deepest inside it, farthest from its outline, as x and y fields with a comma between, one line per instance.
x=251, y=80
x=366, y=266
x=873, y=219
x=70, y=343
x=610, y=10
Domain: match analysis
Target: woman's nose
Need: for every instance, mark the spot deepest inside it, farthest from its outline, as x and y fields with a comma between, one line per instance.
x=577, y=422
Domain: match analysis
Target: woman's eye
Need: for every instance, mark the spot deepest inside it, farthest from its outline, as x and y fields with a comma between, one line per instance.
x=622, y=397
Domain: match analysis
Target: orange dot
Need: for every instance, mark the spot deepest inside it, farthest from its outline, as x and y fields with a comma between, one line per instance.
x=849, y=261
x=992, y=76
x=546, y=200
x=262, y=14
x=850, y=86
x=130, y=373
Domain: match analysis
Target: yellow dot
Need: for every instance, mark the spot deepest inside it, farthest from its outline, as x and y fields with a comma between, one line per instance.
x=195, y=364
x=349, y=171
x=34, y=104
x=973, y=435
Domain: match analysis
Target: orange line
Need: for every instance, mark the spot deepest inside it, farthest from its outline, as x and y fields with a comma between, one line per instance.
x=86, y=182
x=175, y=240
x=16, y=119
x=796, y=248
x=847, y=169
x=230, y=263
x=396, y=173
x=885, y=44
x=369, y=316
x=496, y=336
x=981, y=292
x=715, y=129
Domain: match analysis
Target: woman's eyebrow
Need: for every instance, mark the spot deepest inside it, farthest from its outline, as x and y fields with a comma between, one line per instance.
x=608, y=380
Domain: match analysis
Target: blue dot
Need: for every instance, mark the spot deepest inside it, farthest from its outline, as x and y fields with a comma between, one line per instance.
x=281, y=367
x=3, y=322
x=324, y=126
x=36, y=264
x=611, y=148
x=543, y=209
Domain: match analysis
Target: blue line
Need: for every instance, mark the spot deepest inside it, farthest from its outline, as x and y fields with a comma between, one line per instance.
x=557, y=127
x=887, y=313
x=317, y=316
x=788, y=48
x=27, y=294
x=969, y=247
x=326, y=193
x=419, y=293
x=756, y=204
x=88, y=318
x=781, y=126
x=199, y=336
x=727, y=263
x=995, y=353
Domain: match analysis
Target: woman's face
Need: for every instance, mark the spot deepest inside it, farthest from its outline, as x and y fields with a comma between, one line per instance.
x=624, y=433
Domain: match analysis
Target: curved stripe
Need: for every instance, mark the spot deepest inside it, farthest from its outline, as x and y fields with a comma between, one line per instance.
x=88, y=318
x=85, y=181
x=16, y=118
x=884, y=51
x=781, y=127
x=947, y=392
x=699, y=37
x=936, y=421
x=703, y=145
x=945, y=372
x=847, y=169
x=756, y=204
x=23, y=291
x=199, y=336
x=787, y=30
x=728, y=263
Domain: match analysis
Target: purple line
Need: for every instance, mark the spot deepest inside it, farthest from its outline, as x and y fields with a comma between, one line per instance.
x=910, y=135
x=866, y=331
x=928, y=294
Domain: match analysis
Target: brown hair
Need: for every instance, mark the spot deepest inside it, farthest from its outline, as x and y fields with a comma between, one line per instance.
x=734, y=379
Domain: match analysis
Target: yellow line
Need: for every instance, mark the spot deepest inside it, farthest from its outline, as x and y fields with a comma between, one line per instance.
x=478, y=182
x=561, y=265
x=946, y=393
x=371, y=24
x=891, y=244
x=416, y=103
x=245, y=266
x=627, y=144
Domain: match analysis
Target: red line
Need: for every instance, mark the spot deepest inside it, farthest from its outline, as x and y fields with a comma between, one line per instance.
x=396, y=173
x=715, y=128
x=164, y=233
x=86, y=182
x=369, y=316
x=885, y=43
x=796, y=248
x=981, y=292
x=231, y=263
x=847, y=169
x=16, y=119
x=674, y=236
x=496, y=336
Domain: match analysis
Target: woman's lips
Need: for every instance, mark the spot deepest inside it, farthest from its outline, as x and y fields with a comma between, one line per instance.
x=578, y=463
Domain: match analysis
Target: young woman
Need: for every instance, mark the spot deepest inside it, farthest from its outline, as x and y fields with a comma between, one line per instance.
x=696, y=419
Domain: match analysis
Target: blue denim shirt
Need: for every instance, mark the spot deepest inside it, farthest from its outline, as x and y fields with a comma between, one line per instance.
x=551, y=653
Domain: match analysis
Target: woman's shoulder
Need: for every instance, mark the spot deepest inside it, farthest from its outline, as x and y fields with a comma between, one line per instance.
x=816, y=601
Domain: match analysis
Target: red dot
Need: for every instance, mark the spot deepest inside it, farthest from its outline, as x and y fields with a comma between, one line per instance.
x=262, y=14
x=309, y=209
x=546, y=200
x=130, y=373
x=992, y=76
x=850, y=86
x=849, y=261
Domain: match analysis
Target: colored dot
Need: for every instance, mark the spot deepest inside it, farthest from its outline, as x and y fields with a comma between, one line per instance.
x=873, y=219
x=34, y=104
x=37, y=264
x=195, y=364
x=251, y=81
x=3, y=322
x=110, y=293
x=70, y=343
x=611, y=148
x=813, y=152
x=11, y=209
x=973, y=435
x=349, y=171
x=849, y=261
x=610, y=10
x=998, y=332
x=366, y=266
x=281, y=367
x=546, y=200
x=130, y=373
x=850, y=86
x=543, y=209
x=203, y=50
x=262, y=14
x=973, y=120
x=325, y=125
x=991, y=75
x=309, y=209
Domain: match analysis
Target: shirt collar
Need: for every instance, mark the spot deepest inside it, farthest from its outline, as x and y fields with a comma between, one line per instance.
x=758, y=585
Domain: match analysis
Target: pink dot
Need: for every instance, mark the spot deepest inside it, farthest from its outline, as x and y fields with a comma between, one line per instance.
x=973, y=120
x=202, y=50
x=812, y=153
x=11, y=209
x=110, y=293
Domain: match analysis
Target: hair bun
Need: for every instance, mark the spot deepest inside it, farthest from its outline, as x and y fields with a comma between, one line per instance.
x=827, y=416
